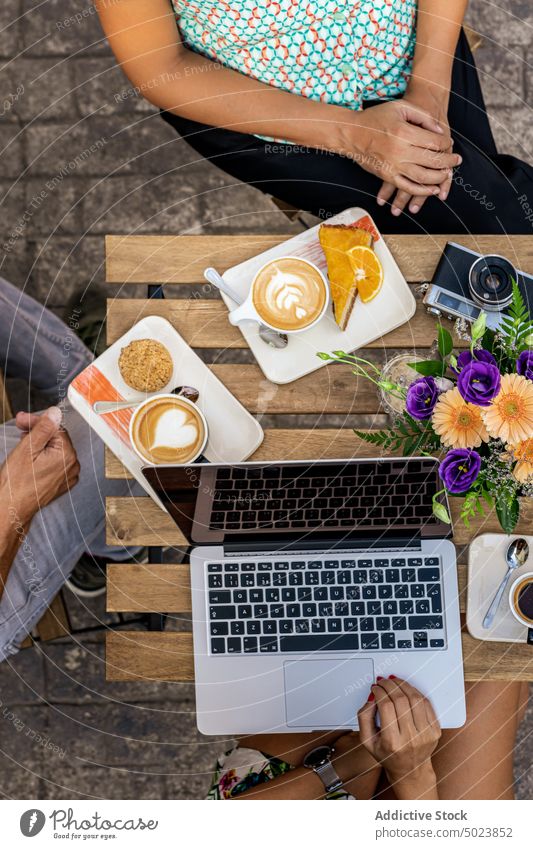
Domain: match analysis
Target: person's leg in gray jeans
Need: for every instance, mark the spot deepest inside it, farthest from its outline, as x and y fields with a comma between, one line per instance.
x=37, y=346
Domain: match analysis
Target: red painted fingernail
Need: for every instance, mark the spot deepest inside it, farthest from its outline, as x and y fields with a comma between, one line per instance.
x=379, y=678
x=392, y=676
x=371, y=697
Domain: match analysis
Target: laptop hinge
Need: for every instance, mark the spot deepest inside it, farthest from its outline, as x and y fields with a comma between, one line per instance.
x=279, y=548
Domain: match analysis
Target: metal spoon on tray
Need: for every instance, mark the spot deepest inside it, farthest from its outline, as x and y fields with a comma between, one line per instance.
x=271, y=337
x=516, y=556
x=102, y=407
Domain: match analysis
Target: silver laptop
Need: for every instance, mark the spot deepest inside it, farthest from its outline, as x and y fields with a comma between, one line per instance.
x=308, y=580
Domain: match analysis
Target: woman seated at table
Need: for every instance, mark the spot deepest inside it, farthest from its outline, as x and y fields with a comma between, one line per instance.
x=373, y=108
x=405, y=757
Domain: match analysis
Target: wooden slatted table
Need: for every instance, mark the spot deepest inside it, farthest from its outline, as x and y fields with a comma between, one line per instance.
x=180, y=260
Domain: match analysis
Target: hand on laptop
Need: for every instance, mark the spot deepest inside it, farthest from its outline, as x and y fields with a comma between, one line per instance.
x=42, y=467
x=406, y=738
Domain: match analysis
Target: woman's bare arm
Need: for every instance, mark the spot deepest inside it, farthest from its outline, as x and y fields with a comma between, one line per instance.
x=439, y=23
x=145, y=40
x=438, y=26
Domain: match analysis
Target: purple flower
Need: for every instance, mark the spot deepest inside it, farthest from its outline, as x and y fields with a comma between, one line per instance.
x=524, y=364
x=479, y=382
x=421, y=398
x=466, y=357
x=459, y=469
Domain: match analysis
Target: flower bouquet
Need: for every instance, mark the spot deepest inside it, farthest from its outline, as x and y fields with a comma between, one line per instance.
x=475, y=408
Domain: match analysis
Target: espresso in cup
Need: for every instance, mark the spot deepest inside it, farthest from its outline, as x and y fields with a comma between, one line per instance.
x=521, y=602
x=168, y=429
x=289, y=293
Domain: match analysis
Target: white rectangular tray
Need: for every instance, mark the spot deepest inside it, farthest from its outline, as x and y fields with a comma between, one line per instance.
x=234, y=434
x=486, y=569
x=392, y=307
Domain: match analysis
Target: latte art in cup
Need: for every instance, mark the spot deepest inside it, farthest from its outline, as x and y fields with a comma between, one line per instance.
x=168, y=430
x=289, y=293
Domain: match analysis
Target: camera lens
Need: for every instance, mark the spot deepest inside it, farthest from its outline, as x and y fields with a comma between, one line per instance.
x=490, y=282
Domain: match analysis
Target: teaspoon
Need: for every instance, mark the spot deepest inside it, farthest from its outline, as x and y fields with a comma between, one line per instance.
x=271, y=337
x=516, y=556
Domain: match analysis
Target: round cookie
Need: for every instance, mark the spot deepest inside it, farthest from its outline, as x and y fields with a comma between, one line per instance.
x=145, y=365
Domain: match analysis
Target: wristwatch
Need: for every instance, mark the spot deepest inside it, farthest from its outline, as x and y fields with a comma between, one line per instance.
x=319, y=760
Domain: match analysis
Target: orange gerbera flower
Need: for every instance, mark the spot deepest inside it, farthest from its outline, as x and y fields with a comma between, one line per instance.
x=458, y=423
x=510, y=414
x=523, y=453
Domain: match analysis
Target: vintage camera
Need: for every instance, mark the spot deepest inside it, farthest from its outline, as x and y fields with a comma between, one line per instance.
x=466, y=283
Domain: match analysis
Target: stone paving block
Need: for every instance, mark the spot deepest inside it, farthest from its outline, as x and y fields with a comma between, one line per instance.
x=76, y=673
x=14, y=263
x=524, y=754
x=22, y=679
x=70, y=148
x=69, y=782
x=14, y=228
x=63, y=264
x=161, y=735
x=60, y=27
x=46, y=88
x=102, y=88
x=506, y=22
x=142, y=204
x=60, y=265
x=234, y=207
x=25, y=736
x=9, y=27
x=502, y=89
x=11, y=158
x=17, y=782
x=53, y=207
x=513, y=131
x=529, y=77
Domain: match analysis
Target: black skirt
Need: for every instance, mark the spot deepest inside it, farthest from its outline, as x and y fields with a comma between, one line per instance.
x=491, y=192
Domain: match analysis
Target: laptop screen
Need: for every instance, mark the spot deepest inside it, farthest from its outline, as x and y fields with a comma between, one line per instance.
x=301, y=501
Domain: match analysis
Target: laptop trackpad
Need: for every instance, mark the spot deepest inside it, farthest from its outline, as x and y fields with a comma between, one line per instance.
x=326, y=693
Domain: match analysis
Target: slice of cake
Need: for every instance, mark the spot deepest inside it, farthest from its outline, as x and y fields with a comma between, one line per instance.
x=336, y=240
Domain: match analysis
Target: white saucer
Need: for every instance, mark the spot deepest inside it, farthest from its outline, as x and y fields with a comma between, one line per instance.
x=486, y=569
x=234, y=434
x=392, y=307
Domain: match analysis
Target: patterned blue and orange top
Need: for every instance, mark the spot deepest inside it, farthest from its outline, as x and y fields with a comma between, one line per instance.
x=337, y=52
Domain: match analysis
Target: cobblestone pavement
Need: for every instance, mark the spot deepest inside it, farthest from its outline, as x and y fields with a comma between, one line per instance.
x=82, y=156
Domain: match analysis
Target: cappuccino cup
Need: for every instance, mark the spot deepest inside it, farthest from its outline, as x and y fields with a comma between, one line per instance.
x=168, y=430
x=521, y=603
x=287, y=294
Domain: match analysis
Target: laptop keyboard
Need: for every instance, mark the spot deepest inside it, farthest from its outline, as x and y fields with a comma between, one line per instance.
x=365, y=494
x=303, y=605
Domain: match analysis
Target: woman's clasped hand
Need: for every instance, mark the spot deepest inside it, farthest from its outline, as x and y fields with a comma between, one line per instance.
x=405, y=146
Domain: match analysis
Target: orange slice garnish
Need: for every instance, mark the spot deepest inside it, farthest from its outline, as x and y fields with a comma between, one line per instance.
x=368, y=272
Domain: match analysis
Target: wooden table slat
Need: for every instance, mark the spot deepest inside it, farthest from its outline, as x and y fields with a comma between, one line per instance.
x=166, y=656
x=148, y=588
x=182, y=259
x=139, y=521
x=329, y=391
x=288, y=444
x=149, y=656
x=204, y=324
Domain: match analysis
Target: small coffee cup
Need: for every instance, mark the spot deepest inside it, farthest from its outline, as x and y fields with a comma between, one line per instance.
x=521, y=603
x=288, y=294
x=181, y=438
